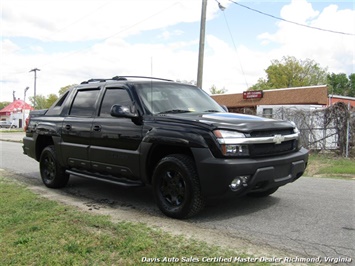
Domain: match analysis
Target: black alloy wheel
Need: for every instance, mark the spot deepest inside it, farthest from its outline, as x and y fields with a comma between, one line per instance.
x=176, y=186
x=52, y=174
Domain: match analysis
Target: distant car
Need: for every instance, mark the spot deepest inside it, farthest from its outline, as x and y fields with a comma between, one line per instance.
x=6, y=124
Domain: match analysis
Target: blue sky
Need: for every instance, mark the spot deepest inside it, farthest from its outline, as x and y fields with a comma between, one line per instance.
x=70, y=41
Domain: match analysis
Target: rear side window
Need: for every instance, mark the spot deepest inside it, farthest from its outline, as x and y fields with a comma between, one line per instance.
x=56, y=108
x=84, y=103
x=114, y=96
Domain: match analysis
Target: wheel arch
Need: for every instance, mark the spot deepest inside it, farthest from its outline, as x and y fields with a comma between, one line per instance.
x=41, y=143
x=159, y=151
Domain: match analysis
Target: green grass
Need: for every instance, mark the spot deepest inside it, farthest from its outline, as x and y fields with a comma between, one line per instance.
x=327, y=165
x=37, y=231
x=11, y=130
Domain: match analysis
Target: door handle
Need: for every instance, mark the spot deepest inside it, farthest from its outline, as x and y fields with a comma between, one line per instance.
x=68, y=127
x=97, y=128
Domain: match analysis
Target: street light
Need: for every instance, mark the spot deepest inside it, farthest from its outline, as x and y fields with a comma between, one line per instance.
x=34, y=94
x=24, y=94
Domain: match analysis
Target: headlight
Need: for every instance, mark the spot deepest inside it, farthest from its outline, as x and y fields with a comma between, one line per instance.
x=296, y=130
x=223, y=135
x=227, y=140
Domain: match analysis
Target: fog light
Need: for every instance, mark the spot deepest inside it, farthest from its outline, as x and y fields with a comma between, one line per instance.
x=239, y=182
x=244, y=179
x=236, y=183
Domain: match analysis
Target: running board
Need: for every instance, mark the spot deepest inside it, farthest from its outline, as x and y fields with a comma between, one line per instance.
x=121, y=182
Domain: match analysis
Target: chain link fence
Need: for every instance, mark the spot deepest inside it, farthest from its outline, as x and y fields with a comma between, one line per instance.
x=329, y=129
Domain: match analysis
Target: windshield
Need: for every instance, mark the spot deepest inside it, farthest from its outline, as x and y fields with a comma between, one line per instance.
x=160, y=98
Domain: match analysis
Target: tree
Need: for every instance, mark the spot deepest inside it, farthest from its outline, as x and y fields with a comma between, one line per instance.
x=51, y=99
x=290, y=72
x=337, y=83
x=64, y=89
x=214, y=90
x=261, y=85
x=351, y=85
x=4, y=104
x=192, y=82
x=41, y=102
x=340, y=84
x=38, y=102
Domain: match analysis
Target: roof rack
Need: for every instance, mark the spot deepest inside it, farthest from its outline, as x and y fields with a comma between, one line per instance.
x=116, y=78
x=94, y=80
x=138, y=77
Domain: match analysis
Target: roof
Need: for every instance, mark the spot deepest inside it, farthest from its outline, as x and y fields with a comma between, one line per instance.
x=338, y=98
x=289, y=96
x=17, y=105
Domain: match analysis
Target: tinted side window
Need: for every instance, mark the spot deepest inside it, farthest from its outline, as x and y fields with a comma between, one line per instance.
x=114, y=96
x=57, y=106
x=84, y=103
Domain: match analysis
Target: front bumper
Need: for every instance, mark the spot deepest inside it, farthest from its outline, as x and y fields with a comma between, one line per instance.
x=216, y=174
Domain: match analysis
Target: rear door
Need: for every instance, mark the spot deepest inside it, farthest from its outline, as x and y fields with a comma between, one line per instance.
x=115, y=141
x=77, y=127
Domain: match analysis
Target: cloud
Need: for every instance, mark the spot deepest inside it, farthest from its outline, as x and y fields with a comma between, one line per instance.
x=299, y=11
x=91, y=19
x=335, y=51
x=72, y=41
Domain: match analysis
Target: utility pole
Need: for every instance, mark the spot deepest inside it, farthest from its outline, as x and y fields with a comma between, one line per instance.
x=202, y=44
x=34, y=94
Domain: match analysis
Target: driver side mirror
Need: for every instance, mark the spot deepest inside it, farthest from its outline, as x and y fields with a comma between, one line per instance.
x=225, y=108
x=123, y=111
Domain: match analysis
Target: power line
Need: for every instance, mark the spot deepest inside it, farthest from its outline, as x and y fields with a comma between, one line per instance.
x=117, y=33
x=104, y=39
x=292, y=22
x=235, y=47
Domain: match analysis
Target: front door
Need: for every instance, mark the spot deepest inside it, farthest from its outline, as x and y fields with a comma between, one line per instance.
x=115, y=141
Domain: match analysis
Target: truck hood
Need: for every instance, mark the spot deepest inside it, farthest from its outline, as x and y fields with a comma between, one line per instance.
x=232, y=121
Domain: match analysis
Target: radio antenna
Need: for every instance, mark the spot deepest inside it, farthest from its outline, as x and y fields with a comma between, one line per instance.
x=151, y=84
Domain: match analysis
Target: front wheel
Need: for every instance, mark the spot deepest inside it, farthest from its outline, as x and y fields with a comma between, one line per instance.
x=52, y=173
x=177, y=187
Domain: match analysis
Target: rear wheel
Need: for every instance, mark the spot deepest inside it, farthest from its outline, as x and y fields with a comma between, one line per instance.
x=176, y=186
x=53, y=175
x=262, y=194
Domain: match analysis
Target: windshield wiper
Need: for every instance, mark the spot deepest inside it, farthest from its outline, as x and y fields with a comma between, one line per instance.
x=212, y=111
x=175, y=111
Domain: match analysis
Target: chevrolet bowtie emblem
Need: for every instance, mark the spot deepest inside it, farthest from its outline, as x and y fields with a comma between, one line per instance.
x=278, y=139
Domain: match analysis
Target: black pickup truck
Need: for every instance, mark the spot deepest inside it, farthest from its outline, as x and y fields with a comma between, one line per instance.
x=135, y=131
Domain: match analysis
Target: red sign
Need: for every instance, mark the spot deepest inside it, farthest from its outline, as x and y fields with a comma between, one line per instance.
x=252, y=94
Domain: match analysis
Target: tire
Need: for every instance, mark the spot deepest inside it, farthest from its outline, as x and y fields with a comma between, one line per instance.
x=53, y=175
x=176, y=187
x=263, y=194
